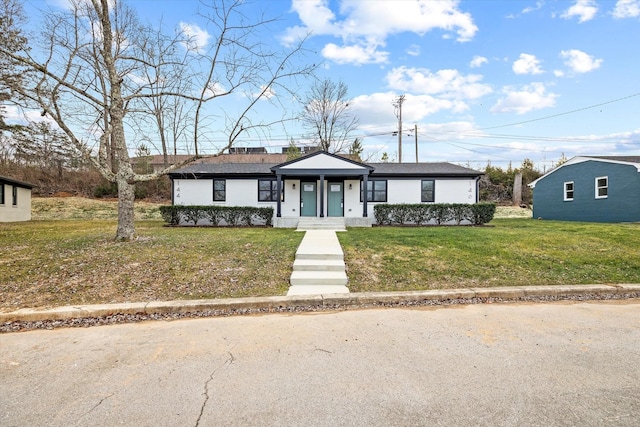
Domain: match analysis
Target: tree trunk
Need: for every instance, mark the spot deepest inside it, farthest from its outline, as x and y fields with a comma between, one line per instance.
x=126, y=195
x=517, y=190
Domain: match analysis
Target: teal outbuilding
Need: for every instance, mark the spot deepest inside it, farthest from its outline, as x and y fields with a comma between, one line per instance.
x=591, y=189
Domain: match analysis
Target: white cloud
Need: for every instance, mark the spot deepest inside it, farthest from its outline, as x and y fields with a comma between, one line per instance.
x=364, y=29
x=315, y=14
x=196, y=38
x=529, y=98
x=16, y=115
x=626, y=9
x=268, y=93
x=354, y=54
x=214, y=89
x=477, y=61
x=376, y=110
x=445, y=83
x=527, y=64
x=585, y=10
x=580, y=62
x=530, y=9
x=413, y=50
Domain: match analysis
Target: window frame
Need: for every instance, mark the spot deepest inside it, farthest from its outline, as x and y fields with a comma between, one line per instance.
x=273, y=190
x=224, y=190
x=598, y=187
x=567, y=191
x=2, y=194
x=14, y=196
x=371, y=191
x=433, y=190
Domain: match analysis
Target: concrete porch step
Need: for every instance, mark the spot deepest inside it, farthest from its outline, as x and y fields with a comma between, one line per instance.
x=316, y=278
x=302, y=264
x=325, y=223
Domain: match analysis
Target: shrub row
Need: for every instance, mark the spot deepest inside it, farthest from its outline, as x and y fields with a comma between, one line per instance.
x=231, y=215
x=421, y=214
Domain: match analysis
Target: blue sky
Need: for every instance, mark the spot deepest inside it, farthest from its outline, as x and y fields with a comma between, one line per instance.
x=484, y=80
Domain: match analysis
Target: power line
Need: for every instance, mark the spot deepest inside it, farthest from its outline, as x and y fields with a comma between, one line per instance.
x=563, y=114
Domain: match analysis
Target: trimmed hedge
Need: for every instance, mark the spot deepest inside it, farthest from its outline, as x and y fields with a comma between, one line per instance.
x=231, y=215
x=442, y=213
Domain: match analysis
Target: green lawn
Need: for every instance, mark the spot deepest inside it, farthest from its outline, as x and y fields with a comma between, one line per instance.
x=48, y=263
x=509, y=252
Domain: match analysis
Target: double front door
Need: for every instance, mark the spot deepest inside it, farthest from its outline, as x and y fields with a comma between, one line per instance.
x=309, y=198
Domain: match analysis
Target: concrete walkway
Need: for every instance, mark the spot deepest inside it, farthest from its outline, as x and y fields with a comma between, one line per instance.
x=319, y=265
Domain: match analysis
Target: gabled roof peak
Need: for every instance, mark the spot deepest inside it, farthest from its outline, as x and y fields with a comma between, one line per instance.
x=306, y=157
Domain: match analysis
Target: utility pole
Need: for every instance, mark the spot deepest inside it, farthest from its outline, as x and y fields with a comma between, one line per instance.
x=398, y=105
x=415, y=131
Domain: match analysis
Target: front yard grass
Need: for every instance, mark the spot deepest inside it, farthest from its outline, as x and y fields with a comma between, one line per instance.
x=49, y=263
x=510, y=252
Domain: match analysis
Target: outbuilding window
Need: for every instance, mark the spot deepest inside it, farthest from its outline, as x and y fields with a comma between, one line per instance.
x=428, y=193
x=568, y=191
x=219, y=190
x=15, y=196
x=602, y=187
x=1, y=194
x=268, y=191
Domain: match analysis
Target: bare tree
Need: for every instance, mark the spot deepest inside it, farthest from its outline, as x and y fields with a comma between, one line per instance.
x=45, y=147
x=11, y=40
x=326, y=114
x=101, y=69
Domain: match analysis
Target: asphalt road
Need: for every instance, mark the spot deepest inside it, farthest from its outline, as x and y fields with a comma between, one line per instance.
x=551, y=364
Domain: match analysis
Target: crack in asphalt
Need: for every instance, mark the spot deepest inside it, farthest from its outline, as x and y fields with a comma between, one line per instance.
x=229, y=361
x=95, y=406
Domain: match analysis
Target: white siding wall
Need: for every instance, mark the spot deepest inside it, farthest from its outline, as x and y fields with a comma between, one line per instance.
x=193, y=191
x=323, y=162
x=21, y=212
x=458, y=190
x=455, y=191
x=291, y=205
x=244, y=192
x=239, y=192
x=352, y=205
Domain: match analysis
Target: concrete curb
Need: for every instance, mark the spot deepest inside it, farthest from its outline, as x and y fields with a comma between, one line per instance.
x=363, y=299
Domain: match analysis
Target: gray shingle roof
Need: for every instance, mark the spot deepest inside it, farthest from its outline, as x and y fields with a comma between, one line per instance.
x=225, y=169
x=441, y=168
x=381, y=169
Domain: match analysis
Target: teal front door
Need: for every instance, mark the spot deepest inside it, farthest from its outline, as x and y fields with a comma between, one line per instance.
x=335, y=199
x=308, y=199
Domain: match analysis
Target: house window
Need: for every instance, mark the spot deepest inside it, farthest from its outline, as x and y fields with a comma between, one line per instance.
x=376, y=191
x=15, y=196
x=568, y=191
x=428, y=190
x=268, y=191
x=219, y=190
x=1, y=194
x=602, y=187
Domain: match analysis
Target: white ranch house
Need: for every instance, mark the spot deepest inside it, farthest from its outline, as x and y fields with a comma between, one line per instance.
x=323, y=185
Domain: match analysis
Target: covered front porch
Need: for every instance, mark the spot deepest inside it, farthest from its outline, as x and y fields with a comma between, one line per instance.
x=321, y=186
